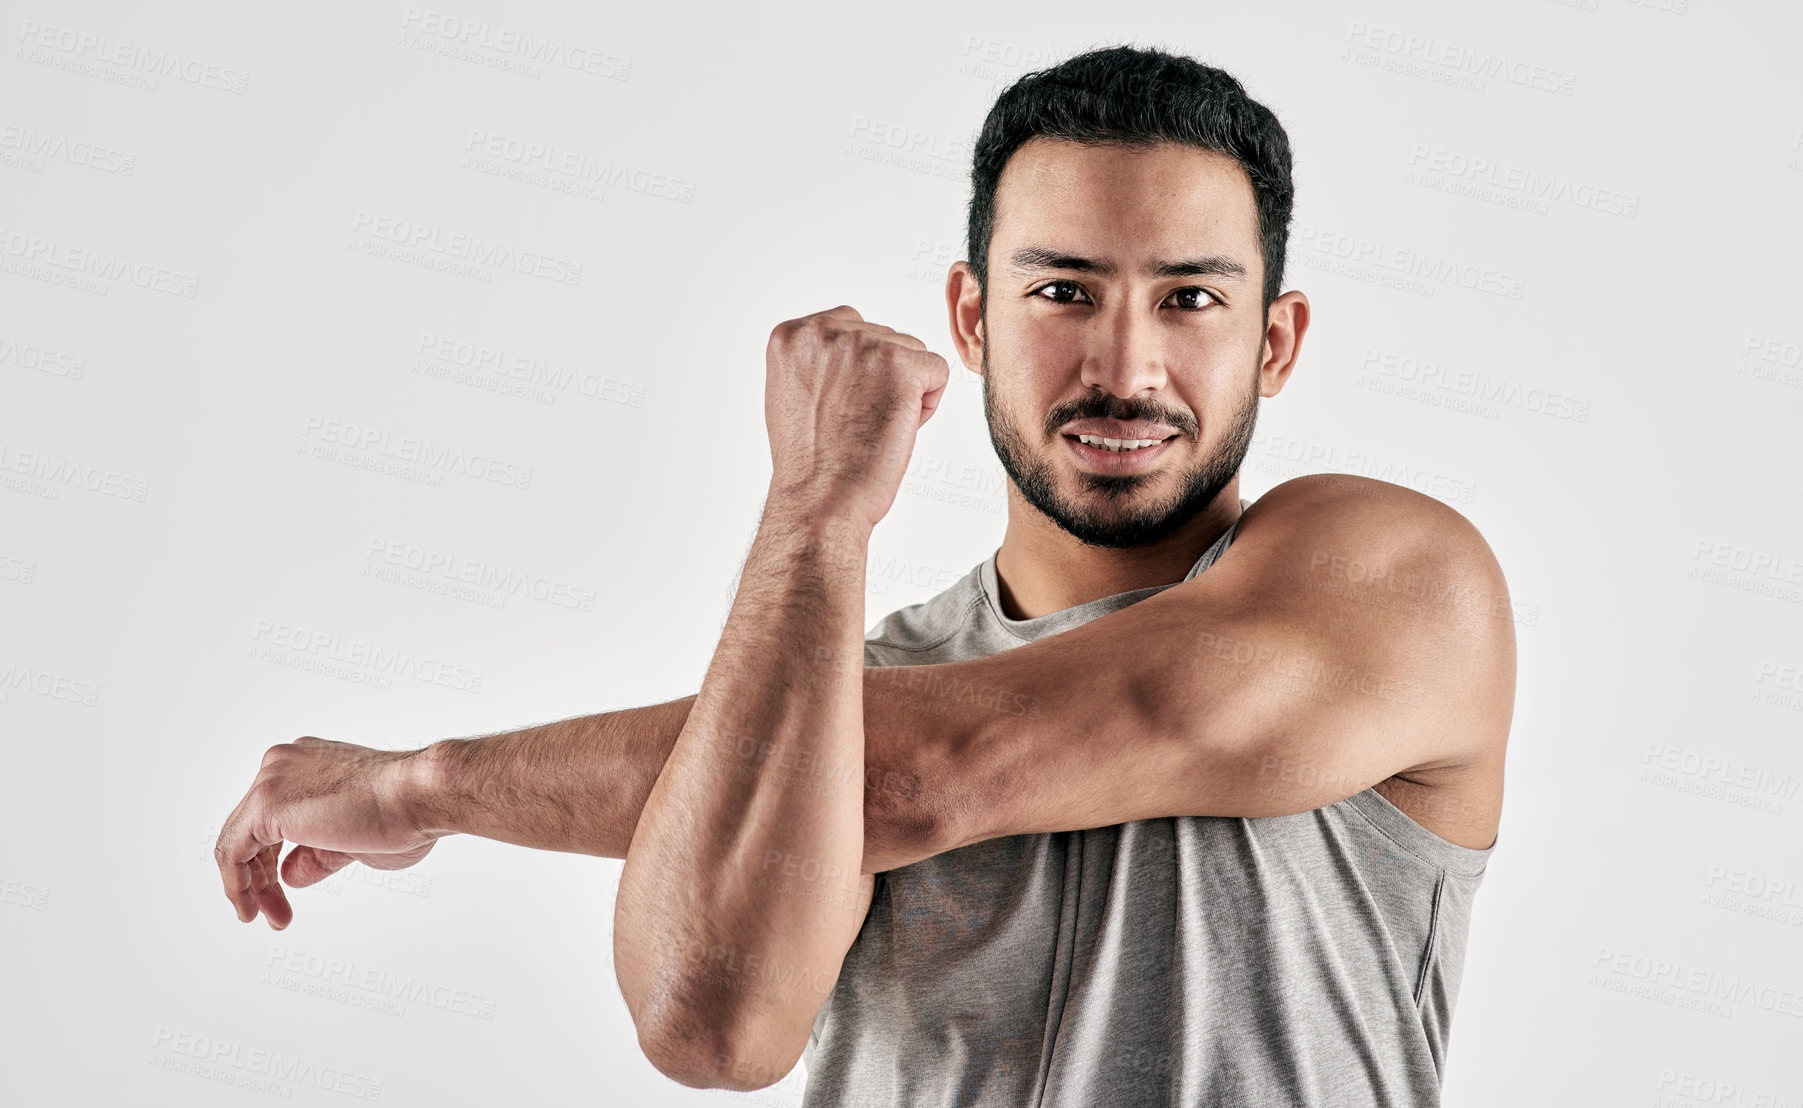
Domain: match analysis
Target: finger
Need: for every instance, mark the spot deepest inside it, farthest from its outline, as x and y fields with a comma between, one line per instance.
x=309, y=865
x=233, y=853
x=938, y=375
x=844, y=311
x=888, y=332
x=929, y=403
x=268, y=887
x=908, y=340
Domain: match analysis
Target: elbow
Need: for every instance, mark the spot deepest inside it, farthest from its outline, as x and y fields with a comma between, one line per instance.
x=702, y=1019
x=920, y=805
x=904, y=823
x=702, y=1051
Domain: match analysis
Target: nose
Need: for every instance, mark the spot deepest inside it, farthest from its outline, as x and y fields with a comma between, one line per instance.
x=1125, y=356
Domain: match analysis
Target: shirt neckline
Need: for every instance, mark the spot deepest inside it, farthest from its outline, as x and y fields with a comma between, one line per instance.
x=1027, y=630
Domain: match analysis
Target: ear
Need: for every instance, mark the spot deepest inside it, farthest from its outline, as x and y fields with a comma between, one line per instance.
x=964, y=303
x=1287, y=322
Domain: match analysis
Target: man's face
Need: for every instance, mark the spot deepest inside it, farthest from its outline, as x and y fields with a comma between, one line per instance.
x=1084, y=334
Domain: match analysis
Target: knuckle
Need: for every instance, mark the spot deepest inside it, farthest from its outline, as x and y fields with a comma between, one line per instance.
x=880, y=349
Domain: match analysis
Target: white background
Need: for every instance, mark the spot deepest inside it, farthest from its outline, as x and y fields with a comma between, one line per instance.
x=175, y=515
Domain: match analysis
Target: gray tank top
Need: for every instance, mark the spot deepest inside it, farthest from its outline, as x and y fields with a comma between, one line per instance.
x=1308, y=959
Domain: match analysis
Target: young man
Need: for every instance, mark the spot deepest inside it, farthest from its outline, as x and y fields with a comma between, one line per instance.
x=1175, y=798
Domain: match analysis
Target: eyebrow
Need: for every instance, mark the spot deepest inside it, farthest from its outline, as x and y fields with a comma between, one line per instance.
x=1208, y=265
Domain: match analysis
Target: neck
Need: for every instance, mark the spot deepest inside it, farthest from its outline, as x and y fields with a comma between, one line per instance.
x=1041, y=568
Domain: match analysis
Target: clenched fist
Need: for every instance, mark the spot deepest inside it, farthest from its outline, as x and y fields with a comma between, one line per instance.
x=337, y=802
x=843, y=401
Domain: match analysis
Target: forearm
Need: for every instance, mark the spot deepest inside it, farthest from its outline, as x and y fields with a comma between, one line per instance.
x=579, y=785
x=750, y=845
x=576, y=785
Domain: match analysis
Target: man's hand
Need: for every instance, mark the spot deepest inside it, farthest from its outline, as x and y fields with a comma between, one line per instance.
x=337, y=803
x=843, y=402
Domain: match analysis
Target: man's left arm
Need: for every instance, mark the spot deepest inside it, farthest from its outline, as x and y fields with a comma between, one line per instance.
x=1353, y=631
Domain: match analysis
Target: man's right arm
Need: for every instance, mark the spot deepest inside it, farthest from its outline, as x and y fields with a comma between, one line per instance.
x=577, y=785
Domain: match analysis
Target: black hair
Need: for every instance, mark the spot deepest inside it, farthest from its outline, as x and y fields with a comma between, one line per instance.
x=1137, y=96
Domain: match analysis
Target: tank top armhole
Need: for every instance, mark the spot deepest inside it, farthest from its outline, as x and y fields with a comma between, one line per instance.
x=1400, y=828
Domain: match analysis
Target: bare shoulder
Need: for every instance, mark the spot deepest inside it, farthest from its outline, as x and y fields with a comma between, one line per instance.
x=1379, y=514
x=1398, y=583
x=1382, y=545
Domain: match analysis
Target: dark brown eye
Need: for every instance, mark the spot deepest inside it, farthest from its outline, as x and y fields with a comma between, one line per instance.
x=1204, y=298
x=1039, y=292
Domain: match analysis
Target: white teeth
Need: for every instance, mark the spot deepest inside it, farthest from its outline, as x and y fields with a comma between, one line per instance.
x=1118, y=444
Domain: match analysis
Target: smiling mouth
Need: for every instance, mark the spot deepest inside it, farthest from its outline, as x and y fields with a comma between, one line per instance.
x=1119, y=446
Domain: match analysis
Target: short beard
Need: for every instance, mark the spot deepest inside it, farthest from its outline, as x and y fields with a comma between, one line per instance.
x=1033, y=476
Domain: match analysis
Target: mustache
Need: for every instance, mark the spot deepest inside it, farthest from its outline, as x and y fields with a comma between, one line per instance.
x=1114, y=407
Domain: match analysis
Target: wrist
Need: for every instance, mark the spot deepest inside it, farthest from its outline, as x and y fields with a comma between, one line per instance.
x=417, y=784
x=808, y=511
x=812, y=540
